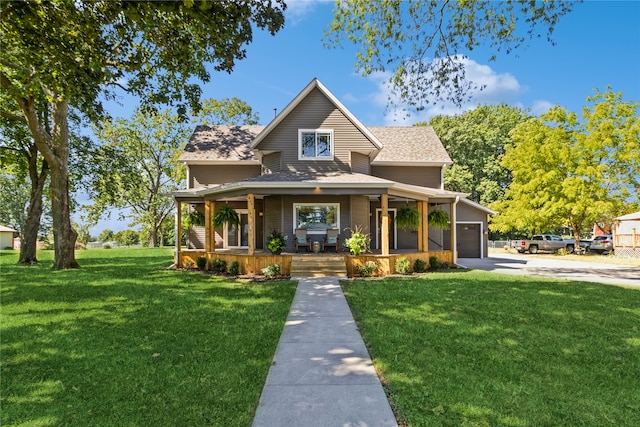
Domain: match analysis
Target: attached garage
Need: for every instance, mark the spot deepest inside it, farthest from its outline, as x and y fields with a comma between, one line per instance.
x=469, y=240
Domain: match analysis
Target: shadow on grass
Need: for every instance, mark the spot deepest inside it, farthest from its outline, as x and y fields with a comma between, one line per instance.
x=129, y=343
x=481, y=349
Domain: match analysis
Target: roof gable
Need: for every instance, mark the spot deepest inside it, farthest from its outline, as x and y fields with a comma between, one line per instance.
x=407, y=145
x=221, y=144
x=315, y=84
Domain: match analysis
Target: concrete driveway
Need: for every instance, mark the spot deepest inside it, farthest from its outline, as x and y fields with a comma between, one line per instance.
x=534, y=265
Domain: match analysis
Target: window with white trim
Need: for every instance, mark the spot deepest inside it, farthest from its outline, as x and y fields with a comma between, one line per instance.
x=315, y=144
x=315, y=217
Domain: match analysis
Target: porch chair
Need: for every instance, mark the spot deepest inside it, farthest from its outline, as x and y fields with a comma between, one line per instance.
x=332, y=239
x=301, y=240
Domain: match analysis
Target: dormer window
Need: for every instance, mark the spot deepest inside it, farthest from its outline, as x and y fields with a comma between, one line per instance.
x=315, y=144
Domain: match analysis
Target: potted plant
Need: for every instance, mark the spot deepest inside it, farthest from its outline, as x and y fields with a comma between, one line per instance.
x=439, y=219
x=408, y=218
x=276, y=242
x=225, y=214
x=358, y=242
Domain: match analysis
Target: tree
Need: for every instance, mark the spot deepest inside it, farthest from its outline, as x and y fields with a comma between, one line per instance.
x=136, y=165
x=420, y=44
x=573, y=173
x=18, y=151
x=78, y=52
x=476, y=141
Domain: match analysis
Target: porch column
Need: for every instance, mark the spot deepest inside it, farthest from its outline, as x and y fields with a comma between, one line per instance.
x=423, y=231
x=452, y=230
x=209, y=232
x=251, y=206
x=384, y=227
x=178, y=228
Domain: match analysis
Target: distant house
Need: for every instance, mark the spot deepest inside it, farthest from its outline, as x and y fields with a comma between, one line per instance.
x=626, y=235
x=6, y=237
x=316, y=167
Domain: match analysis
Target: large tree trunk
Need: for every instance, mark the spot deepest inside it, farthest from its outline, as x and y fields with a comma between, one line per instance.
x=64, y=236
x=29, y=241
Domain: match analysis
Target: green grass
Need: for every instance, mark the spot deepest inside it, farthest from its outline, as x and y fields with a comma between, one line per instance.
x=480, y=349
x=123, y=341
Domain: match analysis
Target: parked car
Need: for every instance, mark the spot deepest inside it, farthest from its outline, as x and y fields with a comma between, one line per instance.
x=602, y=244
x=543, y=242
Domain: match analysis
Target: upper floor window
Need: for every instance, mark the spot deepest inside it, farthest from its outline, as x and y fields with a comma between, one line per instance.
x=315, y=144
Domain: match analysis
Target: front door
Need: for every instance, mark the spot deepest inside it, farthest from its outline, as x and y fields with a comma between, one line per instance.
x=237, y=236
x=393, y=235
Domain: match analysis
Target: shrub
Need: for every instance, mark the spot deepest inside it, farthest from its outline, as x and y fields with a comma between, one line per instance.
x=366, y=269
x=218, y=266
x=420, y=266
x=106, y=246
x=234, y=268
x=403, y=266
x=201, y=262
x=434, y=262
x=271, y=270
x=358, y=242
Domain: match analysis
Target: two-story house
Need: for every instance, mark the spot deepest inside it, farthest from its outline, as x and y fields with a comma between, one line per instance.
x=317, y=167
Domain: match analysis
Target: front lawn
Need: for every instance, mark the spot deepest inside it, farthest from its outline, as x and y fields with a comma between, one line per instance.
x=123, y=341
x=481, y=349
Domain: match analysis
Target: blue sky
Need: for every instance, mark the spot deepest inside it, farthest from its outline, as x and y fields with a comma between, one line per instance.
x=598, y=44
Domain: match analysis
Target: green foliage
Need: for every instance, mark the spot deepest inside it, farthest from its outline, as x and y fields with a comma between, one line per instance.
x=127, y=237
x=366, y=269
x=219, y=266
x=195, y=218
x=78, y=53
x=408, y=218
x=571, y=172
x=234, y=268
x=438, y=218
x=416, y=43
x=276, y=241
x=403, y=266
x=225, y=214
x=358, y=242
x=226, y=112
x=272, y=270
x=420, y=265
x=476, y=142
x=201, y=262
x=434, y=262
x=105, y=235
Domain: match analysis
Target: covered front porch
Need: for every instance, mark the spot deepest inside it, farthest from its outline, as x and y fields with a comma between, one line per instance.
x=357, y=201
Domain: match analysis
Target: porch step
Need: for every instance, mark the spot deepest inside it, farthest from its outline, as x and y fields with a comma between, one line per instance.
x=318, y=265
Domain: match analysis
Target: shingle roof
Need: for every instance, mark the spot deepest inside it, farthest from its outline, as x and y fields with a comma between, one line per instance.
x=409, y=144
x=320, y=178
x=221, y=143
x=402, y=144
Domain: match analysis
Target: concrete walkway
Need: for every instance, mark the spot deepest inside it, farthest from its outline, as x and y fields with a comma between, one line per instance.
x=322, y=374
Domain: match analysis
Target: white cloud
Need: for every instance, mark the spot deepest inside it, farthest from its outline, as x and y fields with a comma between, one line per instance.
x=541, y=106
x=496, y=88
x=298, y=10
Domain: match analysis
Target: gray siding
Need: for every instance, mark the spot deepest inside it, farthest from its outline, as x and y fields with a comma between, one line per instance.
x=425, y=176
x=359, y=213
x=201, y=175
x=360, y=163
x=271, y=163
x=316, y=112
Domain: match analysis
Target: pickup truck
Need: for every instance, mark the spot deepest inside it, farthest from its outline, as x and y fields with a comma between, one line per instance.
x=543, y=242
